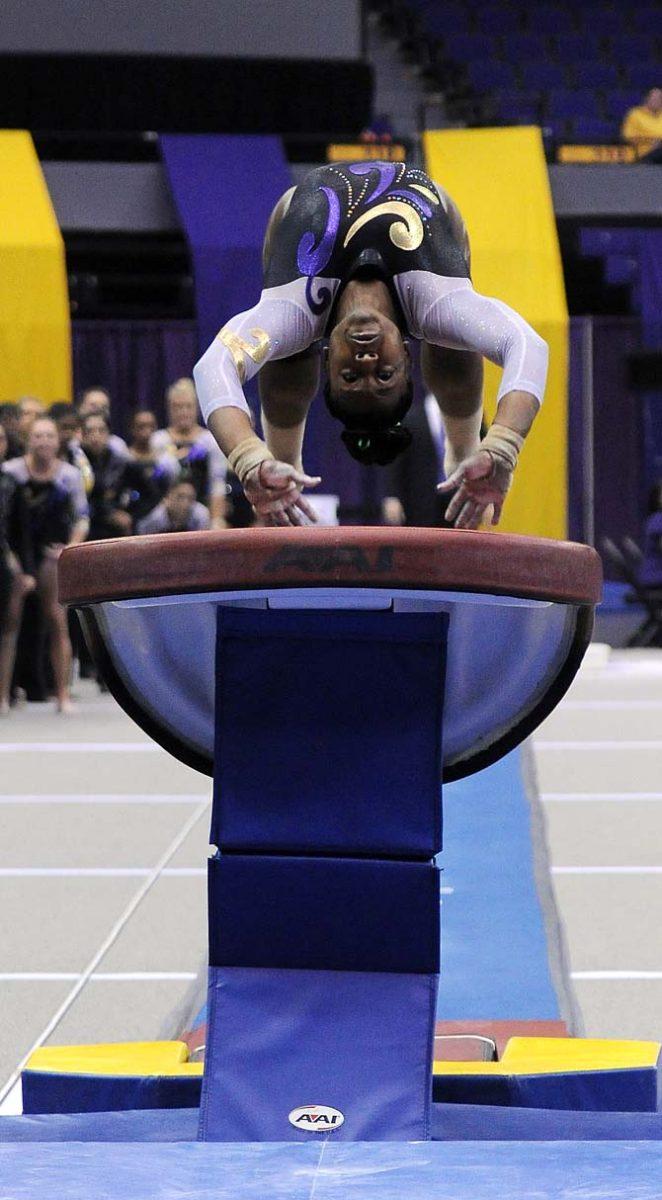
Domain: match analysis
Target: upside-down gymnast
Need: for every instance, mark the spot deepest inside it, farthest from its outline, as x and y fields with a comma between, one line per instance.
x=366, y=255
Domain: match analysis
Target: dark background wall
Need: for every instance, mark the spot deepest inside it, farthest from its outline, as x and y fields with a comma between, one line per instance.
x=221, y=28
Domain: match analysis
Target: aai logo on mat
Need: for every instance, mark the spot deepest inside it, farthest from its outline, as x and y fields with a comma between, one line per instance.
x=316, y=1118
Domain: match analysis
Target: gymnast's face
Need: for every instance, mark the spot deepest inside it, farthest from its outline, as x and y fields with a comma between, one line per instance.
x=368, y=362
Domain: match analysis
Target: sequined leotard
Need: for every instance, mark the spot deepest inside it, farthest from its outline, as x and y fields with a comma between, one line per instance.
x=388, y=219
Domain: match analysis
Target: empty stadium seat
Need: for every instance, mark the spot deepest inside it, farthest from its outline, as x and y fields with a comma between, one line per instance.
x=491, y=74
x=571, y=102
x=597, y=75
x=467, y=46
x=575, y=47
x=543, y=75
x=521, y=48
x=592, y=129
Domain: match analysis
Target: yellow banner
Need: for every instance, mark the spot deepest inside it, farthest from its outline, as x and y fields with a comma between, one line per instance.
x=35, y=332
x=498, y=178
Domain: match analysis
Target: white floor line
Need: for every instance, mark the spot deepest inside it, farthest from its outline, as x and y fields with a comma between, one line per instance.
x=80, y=748
x=97, y=977
x=95, y=872
x=540, y=744
x=109, y=798
x=616, y=974
x=609, y=705
x=106, y=944
x=606, y=870
x=600, y=797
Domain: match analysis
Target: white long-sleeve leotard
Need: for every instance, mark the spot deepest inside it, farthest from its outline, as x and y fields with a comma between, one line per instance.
x=438, y=309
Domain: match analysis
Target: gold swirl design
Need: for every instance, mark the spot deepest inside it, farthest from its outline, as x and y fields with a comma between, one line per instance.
x=425, y=191
x=405, y=233
x=238, y=347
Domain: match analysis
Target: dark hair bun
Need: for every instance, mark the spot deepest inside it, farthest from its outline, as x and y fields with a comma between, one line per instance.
x=376, y=446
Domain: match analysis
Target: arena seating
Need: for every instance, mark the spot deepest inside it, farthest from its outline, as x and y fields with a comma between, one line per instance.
x=575, y=69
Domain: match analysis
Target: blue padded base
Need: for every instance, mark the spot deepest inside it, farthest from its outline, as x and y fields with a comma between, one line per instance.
x=450, y=1123
x=323, y=914
x=56, y=1092
x=322, y=720
x=324, y=1170
x=587, y=1091
x=277, y=1040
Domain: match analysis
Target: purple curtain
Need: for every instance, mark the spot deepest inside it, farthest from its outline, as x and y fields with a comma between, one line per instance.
x=134, y=360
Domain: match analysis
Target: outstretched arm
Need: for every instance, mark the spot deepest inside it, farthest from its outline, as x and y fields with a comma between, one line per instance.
x=466, y=320
x=280, y=325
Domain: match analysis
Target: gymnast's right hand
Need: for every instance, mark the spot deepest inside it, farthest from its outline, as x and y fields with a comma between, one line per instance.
x=274, y=490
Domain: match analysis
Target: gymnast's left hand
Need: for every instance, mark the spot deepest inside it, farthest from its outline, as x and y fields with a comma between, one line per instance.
x=481, y=484
x=274, y=489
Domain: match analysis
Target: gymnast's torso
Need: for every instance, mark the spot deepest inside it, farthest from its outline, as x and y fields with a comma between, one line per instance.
x=376, y=220
x=360, y=219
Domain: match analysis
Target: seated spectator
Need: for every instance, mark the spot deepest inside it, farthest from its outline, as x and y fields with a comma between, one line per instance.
x=16, y=572
x=642, y=127
x=147, y=473
x=68, y=425
x=9, y=419
x=195, y=448
x=94, y=400
x=179, y=512
x=29, y=408
x=58, y=516
x=107, y=517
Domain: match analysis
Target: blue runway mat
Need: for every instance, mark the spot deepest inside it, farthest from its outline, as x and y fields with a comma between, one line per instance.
x=359, y=1171
x=495, y=953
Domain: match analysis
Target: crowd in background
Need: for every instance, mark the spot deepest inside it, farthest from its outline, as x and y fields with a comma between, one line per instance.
x=66, y=477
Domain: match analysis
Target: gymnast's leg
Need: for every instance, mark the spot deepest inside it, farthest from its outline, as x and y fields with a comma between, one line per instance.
x=56, y=617
x=288, y=385
x=455, y=377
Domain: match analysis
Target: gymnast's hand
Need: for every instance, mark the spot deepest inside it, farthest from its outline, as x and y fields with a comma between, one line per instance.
x=274, y=490
x=482, y=481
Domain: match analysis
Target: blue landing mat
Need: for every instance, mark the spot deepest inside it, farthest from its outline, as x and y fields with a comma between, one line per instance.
x=495, y=956
x=362, y=1171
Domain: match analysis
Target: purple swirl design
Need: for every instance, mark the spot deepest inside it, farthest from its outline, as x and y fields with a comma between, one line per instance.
x=414, y=198
x=387, y=173
x=319, y=303
x=312, y=259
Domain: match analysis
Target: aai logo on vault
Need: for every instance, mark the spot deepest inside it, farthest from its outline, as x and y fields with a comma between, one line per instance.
x=316, y=1118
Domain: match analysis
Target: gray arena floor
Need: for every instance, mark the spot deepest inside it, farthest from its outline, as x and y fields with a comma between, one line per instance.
x=104, y=841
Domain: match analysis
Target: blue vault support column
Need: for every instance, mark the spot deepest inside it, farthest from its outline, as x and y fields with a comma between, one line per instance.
x=323, y=902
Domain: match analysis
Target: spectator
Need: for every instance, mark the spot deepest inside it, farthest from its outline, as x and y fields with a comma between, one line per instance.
x=68, y=425
x=147, y=473
x=29, y=408
x=195, y=449
x=94, y=400
x=179, y=512
x=9, y=419
x=58, y=516
x=642, y=127
x=107, y=517
x=16, y=572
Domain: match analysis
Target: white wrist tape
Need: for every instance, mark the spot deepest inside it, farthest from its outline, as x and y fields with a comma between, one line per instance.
x=503, y=444
x=249, y=454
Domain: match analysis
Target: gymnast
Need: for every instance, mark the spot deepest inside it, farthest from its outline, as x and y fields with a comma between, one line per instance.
x=366, y=255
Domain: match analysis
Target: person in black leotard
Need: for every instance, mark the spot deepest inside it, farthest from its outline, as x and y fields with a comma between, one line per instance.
x=58, y=515
x=108, y=518
x=365, y=254
x=16, y=571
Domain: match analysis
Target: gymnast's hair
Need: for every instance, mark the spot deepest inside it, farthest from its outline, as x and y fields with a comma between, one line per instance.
x=373, y=438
